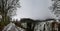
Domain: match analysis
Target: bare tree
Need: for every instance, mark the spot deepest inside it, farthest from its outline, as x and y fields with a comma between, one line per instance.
x=8, y=8
x=56, y=9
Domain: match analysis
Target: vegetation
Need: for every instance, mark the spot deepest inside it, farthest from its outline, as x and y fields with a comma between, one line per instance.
x=7, y=10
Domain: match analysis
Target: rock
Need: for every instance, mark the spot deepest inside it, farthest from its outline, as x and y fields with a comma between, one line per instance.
x=12, y=27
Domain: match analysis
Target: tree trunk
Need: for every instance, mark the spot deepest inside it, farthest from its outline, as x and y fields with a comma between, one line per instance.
x=5, y=19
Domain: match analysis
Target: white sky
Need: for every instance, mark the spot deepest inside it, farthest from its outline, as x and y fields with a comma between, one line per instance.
x=35, y=9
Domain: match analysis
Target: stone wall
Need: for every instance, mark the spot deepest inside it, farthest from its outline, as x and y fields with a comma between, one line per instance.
x=47, y=26
x=31, y=25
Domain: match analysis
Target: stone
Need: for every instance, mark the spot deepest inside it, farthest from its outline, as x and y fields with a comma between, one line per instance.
x=12, y=27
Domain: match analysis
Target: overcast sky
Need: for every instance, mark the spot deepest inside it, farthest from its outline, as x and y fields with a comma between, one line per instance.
x=35, y=9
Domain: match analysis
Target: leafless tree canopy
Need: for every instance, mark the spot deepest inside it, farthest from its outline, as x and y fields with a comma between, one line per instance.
x=8, y=6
